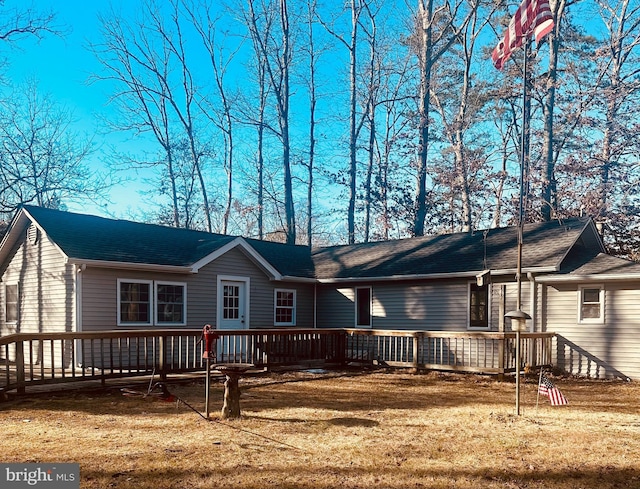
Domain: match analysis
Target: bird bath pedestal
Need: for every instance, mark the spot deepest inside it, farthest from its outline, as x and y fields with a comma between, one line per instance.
x=232, y=372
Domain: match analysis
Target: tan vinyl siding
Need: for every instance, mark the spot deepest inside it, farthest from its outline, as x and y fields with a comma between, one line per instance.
x=46, y=288
x=607, y=349
x=336, y=307
x=432, y=306
x=100, y=293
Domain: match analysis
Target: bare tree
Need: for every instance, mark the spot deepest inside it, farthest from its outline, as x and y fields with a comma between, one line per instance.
x=313, y=102
x=395, y=92
x=185, y=106
x=140, y=58
x=620, y=63
x=141, y=103
x=42, y=161
x=459, y=104
x=17, y=24
x=372, y=88
x=436, y=31
x=277, y=57
x=549, y=187
x=205, y=25
x=356, y=8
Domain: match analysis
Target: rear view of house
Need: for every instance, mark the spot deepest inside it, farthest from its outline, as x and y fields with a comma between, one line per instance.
x=63, y=271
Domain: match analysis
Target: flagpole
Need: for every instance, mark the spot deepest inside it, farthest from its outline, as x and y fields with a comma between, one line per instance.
x=532, y=18
x=524, y=157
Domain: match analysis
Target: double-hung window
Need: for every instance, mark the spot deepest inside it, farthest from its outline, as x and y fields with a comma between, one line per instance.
x=285, y=307
x=170, y=303
x=478, y=306
x=11, y=303
x=145, y=303
x=591, y=304
x=134, y=302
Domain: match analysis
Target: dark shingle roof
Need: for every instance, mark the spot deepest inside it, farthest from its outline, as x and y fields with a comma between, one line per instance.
x=601, y=264
x=293, y=261
x=85, y=237
x=545, y=245
x=95, y=238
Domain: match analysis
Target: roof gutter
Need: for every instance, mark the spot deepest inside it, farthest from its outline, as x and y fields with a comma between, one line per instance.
x=148, y=267
x=589, y=278
x=291, y=278
x=435, y=276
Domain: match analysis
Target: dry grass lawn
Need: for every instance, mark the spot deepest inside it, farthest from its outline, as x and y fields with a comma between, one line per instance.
x=339, y=430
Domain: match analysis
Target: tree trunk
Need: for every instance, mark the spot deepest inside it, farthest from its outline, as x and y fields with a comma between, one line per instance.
x=289, y=210
x=548, y=155
x=351, y=212
x=425, y=60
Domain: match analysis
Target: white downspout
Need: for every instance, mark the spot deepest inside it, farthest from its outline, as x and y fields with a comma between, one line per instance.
x=533, y=301
x=78, y=294
x=315, y=305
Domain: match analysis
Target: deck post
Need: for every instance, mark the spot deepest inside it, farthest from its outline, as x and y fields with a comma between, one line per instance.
x=20, y=380
x=501, y=354
x=417, y=340
x=162, y=355
x=342, y=346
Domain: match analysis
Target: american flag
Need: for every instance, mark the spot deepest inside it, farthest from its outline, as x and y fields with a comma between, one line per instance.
x=532, y=17
x=547, y=388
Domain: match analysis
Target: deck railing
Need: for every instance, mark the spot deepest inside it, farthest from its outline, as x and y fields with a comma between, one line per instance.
x=45, y=358
x=437, y=350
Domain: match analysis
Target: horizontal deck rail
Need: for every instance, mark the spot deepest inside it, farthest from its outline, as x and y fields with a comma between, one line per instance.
x=437, y=350
x=28, y=359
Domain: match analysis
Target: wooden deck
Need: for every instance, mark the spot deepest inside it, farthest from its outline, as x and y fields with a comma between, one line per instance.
x=28, y=360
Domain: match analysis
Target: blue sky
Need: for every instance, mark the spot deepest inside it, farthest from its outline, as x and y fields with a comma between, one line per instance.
x=62, y=67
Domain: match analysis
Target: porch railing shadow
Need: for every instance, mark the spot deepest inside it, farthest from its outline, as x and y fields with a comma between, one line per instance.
x=575, y=360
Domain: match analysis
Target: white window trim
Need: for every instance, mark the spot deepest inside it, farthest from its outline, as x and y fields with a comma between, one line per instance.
x=478, y=328
x=294, y=307
x=184, y=303
x=598, y=320
x=355, y=302
x=4, y=305
x=151, y=301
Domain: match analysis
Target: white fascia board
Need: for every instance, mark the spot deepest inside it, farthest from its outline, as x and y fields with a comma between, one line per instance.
x=398, y=278
x=122, y=265
x=291, y=278
x=434, y=276
x=247, y=249
x=535, y=270
x=603, y=277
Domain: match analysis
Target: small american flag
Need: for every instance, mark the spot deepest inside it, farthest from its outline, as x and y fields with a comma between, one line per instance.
x=547, y=388
x=532, y=17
